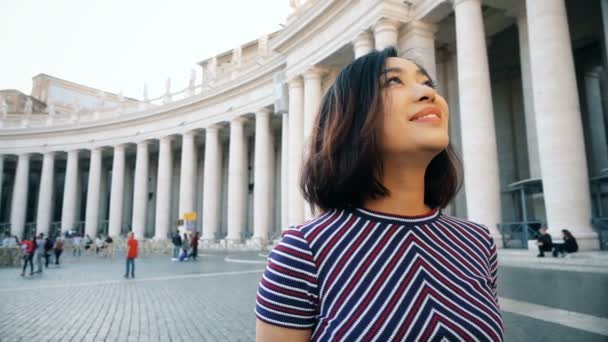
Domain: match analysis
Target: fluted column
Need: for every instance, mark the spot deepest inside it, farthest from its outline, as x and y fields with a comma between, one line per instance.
x=528, y=96
x=212, y=183
x=70, y=189
x=1, y=177
x=140, y=191
x=187, y=180
x=237, y=180
x=296, y=134
x=116, y=191
x=19, y=200
x=312, y=100
x=163, y=192
x=363, y=44
x=479, y=150
x=43, y=215
x=558, y=120
x=417, y=42
x=92, y=210
x=386, y=32
x=285, y=171
x=263, y=188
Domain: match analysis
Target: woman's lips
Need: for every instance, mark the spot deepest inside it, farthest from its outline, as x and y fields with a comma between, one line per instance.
x=428, y=114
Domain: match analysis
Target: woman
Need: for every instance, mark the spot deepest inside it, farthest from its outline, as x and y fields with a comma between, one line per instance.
x=569, y=245
x=381, y=261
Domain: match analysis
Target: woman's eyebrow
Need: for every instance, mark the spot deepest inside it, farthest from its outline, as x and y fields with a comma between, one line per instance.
x=393, y=69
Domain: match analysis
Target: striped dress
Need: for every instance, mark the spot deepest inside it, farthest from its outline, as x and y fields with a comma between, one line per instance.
x=356, y=274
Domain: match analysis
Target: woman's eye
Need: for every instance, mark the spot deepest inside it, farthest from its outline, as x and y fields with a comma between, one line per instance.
x=394, y=80
x=430, y=83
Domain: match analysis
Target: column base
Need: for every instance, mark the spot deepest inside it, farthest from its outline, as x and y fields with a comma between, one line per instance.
x=257, y=242
x=498, y=241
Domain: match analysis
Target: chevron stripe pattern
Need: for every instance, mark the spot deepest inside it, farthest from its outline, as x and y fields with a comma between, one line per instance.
x=362, y=275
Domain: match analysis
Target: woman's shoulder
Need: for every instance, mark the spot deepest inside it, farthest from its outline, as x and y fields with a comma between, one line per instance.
x=313, y=227
x=479, y=230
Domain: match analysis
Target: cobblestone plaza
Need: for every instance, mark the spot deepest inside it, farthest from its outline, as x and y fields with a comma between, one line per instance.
x=86, y=299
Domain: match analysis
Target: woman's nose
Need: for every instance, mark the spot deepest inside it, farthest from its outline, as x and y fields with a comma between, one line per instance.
x=425, y=93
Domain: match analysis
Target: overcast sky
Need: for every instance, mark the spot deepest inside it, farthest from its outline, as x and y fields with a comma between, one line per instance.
x=118, y=45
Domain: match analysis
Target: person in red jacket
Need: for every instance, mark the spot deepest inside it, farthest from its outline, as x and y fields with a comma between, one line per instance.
x=131, y=254
x=28, y=247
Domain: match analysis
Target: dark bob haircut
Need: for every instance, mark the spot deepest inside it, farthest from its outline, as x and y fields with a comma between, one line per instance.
x=342, y=166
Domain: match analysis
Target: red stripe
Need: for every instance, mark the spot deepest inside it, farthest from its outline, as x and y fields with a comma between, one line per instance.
x=283, y=290
x=261, y=300
x=322, y=254
x=314, y=231
x=283, y=270
x=294, y=253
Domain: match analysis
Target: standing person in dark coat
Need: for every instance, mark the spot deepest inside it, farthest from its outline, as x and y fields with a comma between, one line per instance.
x=569, y=245
x=177, y=244
x=544, y=242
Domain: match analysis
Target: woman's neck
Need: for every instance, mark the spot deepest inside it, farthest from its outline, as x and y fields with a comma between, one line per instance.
x=405, y=182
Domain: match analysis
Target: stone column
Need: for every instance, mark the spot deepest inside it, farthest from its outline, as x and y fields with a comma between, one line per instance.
x=187, y=183
x=1, y=177
x=561, y=147
x=596, y=131
x=45, y=205
x=20, y=190
x=477, y=119
x=312, y=99
x=116, y=191
x=363, y=44
x=386, y=32
x=237, y=180
x=285, y=171
x=140, y=190
x=212, y=188
x=263, y=188
x=92, y=210
x=296, y=134
x=70, y=192
x=417, y=42
x=163, y=192
x=524, y=60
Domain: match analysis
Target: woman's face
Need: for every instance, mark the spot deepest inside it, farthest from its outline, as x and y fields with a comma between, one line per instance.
x=415, y=117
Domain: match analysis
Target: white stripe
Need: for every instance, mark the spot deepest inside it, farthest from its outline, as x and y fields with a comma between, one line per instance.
x=333, y=232
x=285, y=305
x=296, y=259
x=576, y=320
x=295, y=269
x=311, y=228
x=297, y=280
x=284, y=295
x=295, y=289
x=284, y=313
x=285, y=323
x=290, y=246
x=401, y=219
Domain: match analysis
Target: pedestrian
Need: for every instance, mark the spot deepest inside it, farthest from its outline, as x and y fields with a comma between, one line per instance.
x=544, y=242
x=88, y=243
x=569, y=245
x=58, y=248
x=39, y=252
x=48, y=250
x=110, y=249
x=185, y=248
x=76, y=245
x=28, y=247
x=99, y=245
x=177, y=244
x=194, y=245
x=131, y=254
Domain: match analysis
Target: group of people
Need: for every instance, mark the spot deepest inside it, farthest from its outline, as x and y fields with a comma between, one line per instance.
x=545, y=243
x=185, y=247
x=37, y=248
x=102, y=246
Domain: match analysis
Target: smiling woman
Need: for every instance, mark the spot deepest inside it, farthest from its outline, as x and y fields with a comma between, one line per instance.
x=381, y=261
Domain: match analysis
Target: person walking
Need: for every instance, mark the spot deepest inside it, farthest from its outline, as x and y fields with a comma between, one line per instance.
x=48, y=251
x=40, y=252
x=28, y=247
x=76, y=245
x=177, y=244
x=132, y=247
x=58, y=249
x=194, y=245
x=185, y=248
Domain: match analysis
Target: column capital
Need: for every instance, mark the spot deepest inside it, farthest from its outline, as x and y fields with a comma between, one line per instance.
x=365, y=37
x=296, y=82
x=421, y=28
x=48, y=153
x=263, y=112
x=143, y=143
x=120, y=146
x=386, y=24
x=191, y=133
x=212, y=128
x=168, y=138
x=315, y=72
x=238, y=120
